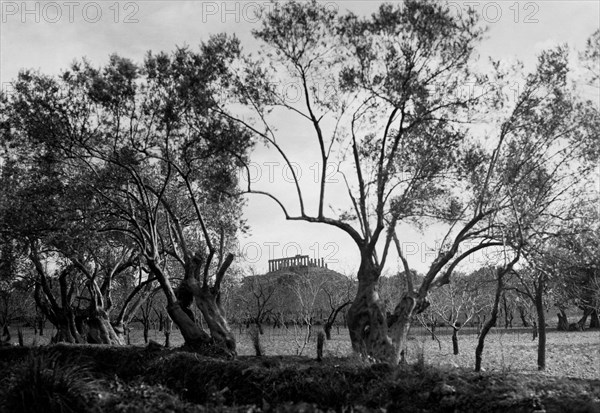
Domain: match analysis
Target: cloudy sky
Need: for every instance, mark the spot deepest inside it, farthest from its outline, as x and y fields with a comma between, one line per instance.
x=49, y=35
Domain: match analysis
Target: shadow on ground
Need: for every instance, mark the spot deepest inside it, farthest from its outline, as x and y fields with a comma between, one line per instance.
x=131, y=379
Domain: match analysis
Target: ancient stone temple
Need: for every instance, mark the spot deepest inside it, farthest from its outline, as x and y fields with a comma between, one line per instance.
x=297, y=261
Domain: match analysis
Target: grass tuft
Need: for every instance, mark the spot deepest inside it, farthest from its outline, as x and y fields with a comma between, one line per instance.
x=44, y=383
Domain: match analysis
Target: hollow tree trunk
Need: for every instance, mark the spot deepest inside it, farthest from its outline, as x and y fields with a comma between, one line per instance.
x=367, y=322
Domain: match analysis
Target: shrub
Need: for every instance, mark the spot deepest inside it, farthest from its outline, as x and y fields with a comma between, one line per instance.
x=45, y=384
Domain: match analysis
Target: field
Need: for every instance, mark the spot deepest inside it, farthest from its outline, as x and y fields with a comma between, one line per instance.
x=569, y=354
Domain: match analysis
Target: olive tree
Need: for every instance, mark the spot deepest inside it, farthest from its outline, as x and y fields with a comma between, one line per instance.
x=410, y=151
x=159, y=162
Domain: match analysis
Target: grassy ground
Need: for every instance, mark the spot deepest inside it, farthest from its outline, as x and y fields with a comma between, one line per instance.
x=134, y=379
x=569, y=354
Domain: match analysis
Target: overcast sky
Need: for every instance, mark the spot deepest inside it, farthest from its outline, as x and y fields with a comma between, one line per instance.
x=49, y=35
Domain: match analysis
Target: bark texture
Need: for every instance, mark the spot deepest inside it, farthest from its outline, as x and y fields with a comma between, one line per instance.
x=367, y=322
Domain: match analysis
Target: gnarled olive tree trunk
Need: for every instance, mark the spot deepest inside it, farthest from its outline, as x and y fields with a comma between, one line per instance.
x=66, y=328
x=367, y=321
x=207, y=299
x=209, y=304
x=57, y=309
x=100, y=329
x=371, y=332
x=410, y=305
x=193, y=335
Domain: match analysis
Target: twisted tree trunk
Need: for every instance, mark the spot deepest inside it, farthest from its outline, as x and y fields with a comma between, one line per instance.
x=193, y=334
x=207, y=299
x=66, y=328
x=371, y=332
x=213, y=313
x=100, y=329
x=367, y=322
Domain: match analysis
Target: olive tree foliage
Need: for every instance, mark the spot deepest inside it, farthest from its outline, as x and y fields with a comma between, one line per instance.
x=589, y=59
x=159, y=163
